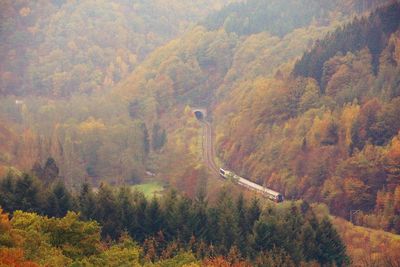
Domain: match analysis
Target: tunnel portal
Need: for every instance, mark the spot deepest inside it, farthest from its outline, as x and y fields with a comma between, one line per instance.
x=199, y=113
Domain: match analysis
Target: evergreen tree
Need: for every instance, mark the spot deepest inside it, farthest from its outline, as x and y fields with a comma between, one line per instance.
x=52, y=208
x=169, y=208
x=86, y=202
x=126, y=211
x=291, y=228
x=7, y=193
x=330, y=247
x=227, y=225
x=158, y=137
x=153, y=218
x=50, y=171
x=309, y=245
x=183, y=219
x=140, y=225
x=106, y=212
x=59, y=201
x=254, y=212
x=63, y=198
x=26, y=194
x=264, y=236
x=213, y=216
x=199, y=218
x=243, y=225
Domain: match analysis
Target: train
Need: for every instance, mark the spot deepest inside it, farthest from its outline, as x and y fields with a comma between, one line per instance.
x=268, y=193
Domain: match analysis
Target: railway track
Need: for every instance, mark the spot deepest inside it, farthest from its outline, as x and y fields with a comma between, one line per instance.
x=208, y=147
x=209, y=156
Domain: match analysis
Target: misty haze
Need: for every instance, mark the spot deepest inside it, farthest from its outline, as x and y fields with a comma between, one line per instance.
x=200, y=133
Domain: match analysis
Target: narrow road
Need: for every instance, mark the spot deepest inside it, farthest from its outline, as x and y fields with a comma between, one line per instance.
x=208, y=147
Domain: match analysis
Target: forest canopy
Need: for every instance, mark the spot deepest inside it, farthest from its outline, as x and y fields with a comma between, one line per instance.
x=97, y=99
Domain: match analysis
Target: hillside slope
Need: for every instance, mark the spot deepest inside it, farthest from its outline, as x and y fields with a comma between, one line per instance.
x=56, y=48
x=59, y=59
x=304, y=136
x=216, y=68
x=330, y=137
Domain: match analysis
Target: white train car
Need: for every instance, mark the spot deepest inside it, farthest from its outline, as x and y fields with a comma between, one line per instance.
x=270, y=194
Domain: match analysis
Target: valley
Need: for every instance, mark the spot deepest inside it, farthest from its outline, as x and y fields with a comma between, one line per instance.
x=116, y=118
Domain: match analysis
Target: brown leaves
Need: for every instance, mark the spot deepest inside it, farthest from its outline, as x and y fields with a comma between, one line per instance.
x=15, y=257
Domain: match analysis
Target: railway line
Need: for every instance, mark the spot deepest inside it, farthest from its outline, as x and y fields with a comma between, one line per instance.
x=208, y=147
x=209, y=156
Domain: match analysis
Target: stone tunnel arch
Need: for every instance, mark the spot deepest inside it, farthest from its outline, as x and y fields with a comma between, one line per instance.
x=200, y=113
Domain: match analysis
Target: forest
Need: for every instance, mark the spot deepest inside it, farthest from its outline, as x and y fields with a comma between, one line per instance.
x=96, y=97
x=173, y=228
x=56, y=48
x=341, y=125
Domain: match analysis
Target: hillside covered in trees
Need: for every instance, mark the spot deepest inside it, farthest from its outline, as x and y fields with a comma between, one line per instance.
x=329, y=137
x=332, y=136
x=302, y=96
x=55, y=48
x=58, y=60
x=280, y=18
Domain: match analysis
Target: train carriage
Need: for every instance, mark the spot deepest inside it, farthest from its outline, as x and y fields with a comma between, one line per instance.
x=270, y=194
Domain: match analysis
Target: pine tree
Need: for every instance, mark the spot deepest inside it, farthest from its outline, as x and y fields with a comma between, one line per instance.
x=264, y=235
x=50, y=171
x=183, y=219
x=199, y=218
x=227, y=225
x=292, y=223
x=154, y=220
x=140, y=226
x=330, y=247
x=253, y=213
x=243, y=225
x=126, y=211
x=7, y=193
x=51, y=208
x=169, y=208
x=63, y=198
x=158, y=137
x=27, y=194
x=86, y=202
x=213, y=216
x=309, y=245
x=106, y=212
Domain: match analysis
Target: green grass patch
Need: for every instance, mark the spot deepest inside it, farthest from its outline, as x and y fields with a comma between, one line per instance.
x=149, y=189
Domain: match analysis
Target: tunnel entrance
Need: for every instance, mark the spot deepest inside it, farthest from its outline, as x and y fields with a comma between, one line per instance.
x=199, y=115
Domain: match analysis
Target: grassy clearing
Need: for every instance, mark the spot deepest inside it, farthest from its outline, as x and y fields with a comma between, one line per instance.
x=149, y=189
